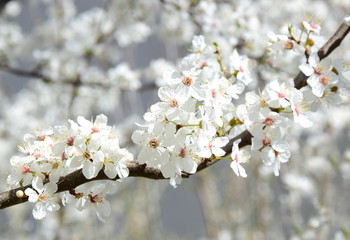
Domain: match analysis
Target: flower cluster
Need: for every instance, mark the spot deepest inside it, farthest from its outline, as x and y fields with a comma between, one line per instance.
x=190, y=122
x=197, y=117
x=51, y=153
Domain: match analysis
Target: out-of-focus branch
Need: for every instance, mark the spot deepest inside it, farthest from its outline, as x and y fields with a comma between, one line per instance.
x=3, y=4
x=74, y=82
x=20, y=72
x=77, y=178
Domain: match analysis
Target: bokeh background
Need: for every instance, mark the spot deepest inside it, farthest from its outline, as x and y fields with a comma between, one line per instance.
x=60, y=59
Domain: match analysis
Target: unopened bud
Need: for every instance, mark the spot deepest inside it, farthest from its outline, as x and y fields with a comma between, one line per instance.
x=20, y=194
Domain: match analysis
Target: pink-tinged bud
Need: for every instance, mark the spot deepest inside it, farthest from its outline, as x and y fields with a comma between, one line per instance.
x=37, y=155
x=20, y=194
x=241, y=69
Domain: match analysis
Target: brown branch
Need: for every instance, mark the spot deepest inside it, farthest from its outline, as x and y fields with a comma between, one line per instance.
x=20, y=72
x=324, y=51
x=77, y=178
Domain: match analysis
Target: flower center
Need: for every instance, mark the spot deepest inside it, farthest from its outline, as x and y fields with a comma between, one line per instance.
x=213, y=93
x=297, y=111
x=153, y=143
x=70, y=141
x=24, y=169
x=281, y=95
x=263, y=103
x=318, y=70
x=42, y=198
x=269, y=121
x=288, y=45
x=174, y=103
x=95, y=130
x=187, y=81
x=204, y=64
x=324, y=80
x=42, y=137
x=182, y=153
x=87, y=155
x=96, y=198
x=266, y=142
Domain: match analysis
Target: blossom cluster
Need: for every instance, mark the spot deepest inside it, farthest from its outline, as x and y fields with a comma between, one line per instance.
x=191, y=122
x=197, y=116
x=52, y=153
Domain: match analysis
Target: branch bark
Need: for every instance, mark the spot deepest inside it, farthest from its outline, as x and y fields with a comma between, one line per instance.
x=74, y=179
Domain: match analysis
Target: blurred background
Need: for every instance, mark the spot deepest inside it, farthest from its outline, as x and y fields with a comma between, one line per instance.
x=60, y=59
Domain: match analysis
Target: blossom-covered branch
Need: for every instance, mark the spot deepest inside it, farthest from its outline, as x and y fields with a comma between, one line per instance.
x=77, y=178
x=191, y=128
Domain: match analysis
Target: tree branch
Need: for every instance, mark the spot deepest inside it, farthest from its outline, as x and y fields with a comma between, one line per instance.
x=74, y=82
x=77, y=178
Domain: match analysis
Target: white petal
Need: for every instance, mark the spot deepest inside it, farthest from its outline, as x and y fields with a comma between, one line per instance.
x=189, y=166
x=39, y=211
x=234, y=166
x=50, y=188
x=38, y=184
x=123, y=171
x=220, y=141
x=101, y=120
x=138, y=137
x=241, y=171
x=110, y=170
x=306, y=69
x=33, y=195
x=280, y=145
x=89, y=170
x=146, y=155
